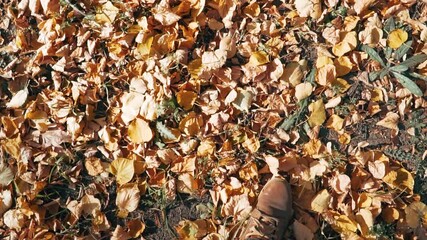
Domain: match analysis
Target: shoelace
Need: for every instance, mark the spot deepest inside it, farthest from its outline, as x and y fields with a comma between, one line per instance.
x=261, y=227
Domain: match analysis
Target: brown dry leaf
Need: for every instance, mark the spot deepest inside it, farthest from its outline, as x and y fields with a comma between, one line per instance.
x=326, y=74
x=371, y=35
x=191, y=124
x=378, y=169
x=136, y=227
x=390, y=121
x=341, y=183
x=343, y=65
x=139, y=131
x=390, y=214
x=120, y=233
x=123, y=169
x=127, y=199
x=416, y=215
x=187, y=183
x=293, y=73
x=94, y=166
x=186, y=99
x=243, y=100
x=317, y=113
x=348, y=42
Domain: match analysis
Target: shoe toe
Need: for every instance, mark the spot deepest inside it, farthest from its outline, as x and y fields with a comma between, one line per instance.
x=275, y=199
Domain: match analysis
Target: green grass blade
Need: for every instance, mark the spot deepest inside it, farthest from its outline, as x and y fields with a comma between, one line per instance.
x=409, y=84
x=399, y=68
x=415, y=60
x=402, y=50
x=373, y=54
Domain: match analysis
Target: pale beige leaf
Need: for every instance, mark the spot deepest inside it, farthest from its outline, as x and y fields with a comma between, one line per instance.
x=390, y=121
x=139, y=131
x=321, y=201
x=5, y=201
x=6, y=175
x=14, y=219
x=18, y=99
x=303, y=90
x=127, y=199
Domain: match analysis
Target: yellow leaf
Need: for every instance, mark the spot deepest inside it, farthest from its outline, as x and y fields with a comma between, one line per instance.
x=343, y=65
x=139, y=131
x=344, y=224
x=348, y=43
x=344, y=138
x=335, y=122
x=186, y=99
x=323, y=61
x=303, y=90
x=350, y=22
x=195, y=68
x=340, y=84
x=396, y=38
x=318, y=114
x=401, y=179
x=144, y=48
x=123, y=169
x=258, y=58
x=321, y=201
x=390, y=121
x=127, y=199
x=312, y=147
x=108, y=13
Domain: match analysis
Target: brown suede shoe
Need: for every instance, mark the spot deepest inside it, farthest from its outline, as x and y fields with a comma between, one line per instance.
x=273, y=212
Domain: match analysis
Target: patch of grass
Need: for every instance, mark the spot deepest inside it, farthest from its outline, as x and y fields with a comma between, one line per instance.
x=384, y=231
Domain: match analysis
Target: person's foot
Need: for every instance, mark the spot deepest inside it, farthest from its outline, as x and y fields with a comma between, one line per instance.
x=273, y=212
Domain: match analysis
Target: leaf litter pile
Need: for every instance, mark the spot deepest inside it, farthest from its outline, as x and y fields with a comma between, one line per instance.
x=163, y=119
